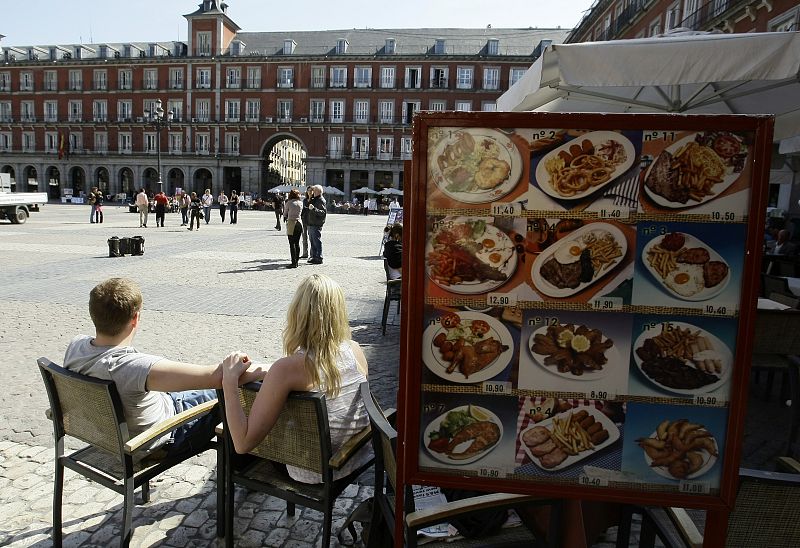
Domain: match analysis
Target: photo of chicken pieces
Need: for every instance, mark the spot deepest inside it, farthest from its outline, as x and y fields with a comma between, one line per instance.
x=572, y=349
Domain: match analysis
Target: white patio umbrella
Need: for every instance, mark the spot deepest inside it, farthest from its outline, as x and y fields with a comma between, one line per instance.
x=287, y=188
x=332, y=191
x=390, y=192
x=757, y=73
x=364, y=190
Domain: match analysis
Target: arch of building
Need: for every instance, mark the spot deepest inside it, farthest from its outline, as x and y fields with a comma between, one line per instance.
x=201, y=178
x=53, y=181
x=266, y=149
x=127, y=181
x=176, y=178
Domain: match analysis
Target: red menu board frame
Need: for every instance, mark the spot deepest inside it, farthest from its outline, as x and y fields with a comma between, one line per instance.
x=422, y=191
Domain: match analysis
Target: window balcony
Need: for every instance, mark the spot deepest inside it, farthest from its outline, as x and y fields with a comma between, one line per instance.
x=150, y=84
x=254, y=83
x=285, y=119
x=51, y=119
x=176, y=84
x=386, y=119
x=203, y=85
x=361, y=120
x=6, y=119
x=337, y=119
x=363, y=84
x=357, y=155
x=75, y=118
x=286, y=84
x=439, y=83
x=75, y=86
x=252, y=118
x=100, y=85
x=335, y=154
x=49, y=86
x=231, y=118
x=384, y=156
x=317, y=119
x=124, y=87
x=101, y=119
x=337, y=85
x=28, y=118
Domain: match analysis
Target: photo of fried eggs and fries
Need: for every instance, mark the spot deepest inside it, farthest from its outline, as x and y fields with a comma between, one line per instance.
x=680, y=449
x=567, y=438
x=684, y=265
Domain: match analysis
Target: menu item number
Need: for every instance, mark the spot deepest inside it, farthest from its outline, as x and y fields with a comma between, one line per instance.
x=680, y=449
x=463, y=434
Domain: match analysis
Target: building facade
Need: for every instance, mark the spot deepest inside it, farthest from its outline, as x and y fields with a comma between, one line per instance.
x=73, y=117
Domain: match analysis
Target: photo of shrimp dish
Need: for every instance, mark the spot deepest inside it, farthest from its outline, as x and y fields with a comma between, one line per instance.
x=464, y=433
x=680, y=449
x=584, y=166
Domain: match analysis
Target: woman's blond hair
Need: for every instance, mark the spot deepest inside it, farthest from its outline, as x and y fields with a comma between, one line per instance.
x=317, y=324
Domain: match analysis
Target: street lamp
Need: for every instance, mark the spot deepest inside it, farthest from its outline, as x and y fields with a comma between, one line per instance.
x=160, y=120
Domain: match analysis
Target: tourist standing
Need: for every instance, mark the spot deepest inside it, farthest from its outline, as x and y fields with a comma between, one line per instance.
x=277, y=204
x=143, y=204
x=195, y=204
x=223, y=204
x=90, y=199
x=233, y=205
x=317, y=212
x=304, y=219
x=98, y=205
x=185, y=202
x=161, y=207
x=294, y=229
x=208, y=201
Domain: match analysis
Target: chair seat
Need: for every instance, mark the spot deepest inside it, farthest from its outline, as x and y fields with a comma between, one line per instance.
x=269, y=476
x=770, y=361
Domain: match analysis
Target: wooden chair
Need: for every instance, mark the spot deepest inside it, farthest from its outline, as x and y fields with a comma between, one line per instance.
x=775, y=284
x=791, y=302
x=300, y=438
x=765, y=513
x=384, y=443
x=393, y=293
x=90, y=410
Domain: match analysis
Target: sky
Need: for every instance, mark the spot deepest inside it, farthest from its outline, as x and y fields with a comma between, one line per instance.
x=51, y=22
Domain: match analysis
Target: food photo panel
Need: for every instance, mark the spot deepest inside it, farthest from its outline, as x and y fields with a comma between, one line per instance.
x=474, y=167
x=467, y=432
x=577, y=260
x=689, y=265
x=470, y=257
x=563, y=351
x=573, y=435
x=468, y=346
x=675, y=445
x=581, y=170
x=696, y=172
x=683, y=357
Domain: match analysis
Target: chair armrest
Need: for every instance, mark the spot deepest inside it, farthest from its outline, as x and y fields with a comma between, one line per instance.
x=789, y=465
x=48, y=413
x=421, y=518
x=158, y=430
x=686, y=527
x=349, y=448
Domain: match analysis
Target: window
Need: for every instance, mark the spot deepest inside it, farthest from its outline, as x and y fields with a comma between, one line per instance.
x=317, y=110
x=405, y=148
x=150, y=80
x=788, y=21
x=75, y=142
x=438, y=47
x=439, y=77
x=385, y=148
x=285, y=77
x=28, y=142
x=124, y=109
x=50, y=80
x=493, y=46
x=26, y=81
x=335, y=146
x=100, y=80
x=288, y=46
x=203, y=110
x=491, y=78
x=390, y=46
x=233, y=79
x=655, y=27
x=75, y=80
x=361, y=111
x=253, y=77
x=5, y=80
x=203, y=43
x=232, y=110
x=337, y=111
x=232, y=143
x=360, y=147
x=464, y=78
x=51, y=142
x=363, y=77
x=317, y=77
x=75, y=111
x=100, y=110
x=386, y=112
x=341, y=46
x=673, y=19
x=5, y=112
x=100, y=142
x=691, y=13
x=463, y=106
x=175, y=106
x=125, y=143
x=387, y=77
x=150, y=143
x=253, y=107
x=176, y=78
x=515, y=75
x=284, y=110
x=204, y=78
x=338, y=77
x=51, y=111
x=438, y=106
x=413, y=77
x=409, y=108
x=124, y=79
x=175, y=143
x=202, y=143
x=27, y=111
x=488, y=106
x=5, y=142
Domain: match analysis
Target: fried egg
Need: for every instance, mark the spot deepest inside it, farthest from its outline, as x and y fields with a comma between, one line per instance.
x=686, y=279
x=569, y=252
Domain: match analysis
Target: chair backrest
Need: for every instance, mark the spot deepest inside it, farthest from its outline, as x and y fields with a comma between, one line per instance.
x=766, y=510
x=301, y=435
x=784, y=299
x=775, y=284
x=777, y=332
x=85, y=408
x=393, y=291
x=384, y=437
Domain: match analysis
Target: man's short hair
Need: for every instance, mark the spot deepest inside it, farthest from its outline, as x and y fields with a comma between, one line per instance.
x=113, y=304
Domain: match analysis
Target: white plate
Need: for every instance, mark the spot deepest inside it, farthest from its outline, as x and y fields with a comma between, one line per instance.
x=502, y=242
x=434, y=361
x=552, y=291
x=708, y=459
x=434, y=425
x=508, y=153
x=718, y=346
x=597, y=138
x=612, y=357
x=690, y=242
x=611, y=428
x=727, y=180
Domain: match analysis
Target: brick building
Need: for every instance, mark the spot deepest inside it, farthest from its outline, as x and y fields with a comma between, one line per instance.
x=75, y=116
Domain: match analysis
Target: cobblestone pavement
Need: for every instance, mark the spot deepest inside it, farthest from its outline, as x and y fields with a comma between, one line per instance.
x=206, y=293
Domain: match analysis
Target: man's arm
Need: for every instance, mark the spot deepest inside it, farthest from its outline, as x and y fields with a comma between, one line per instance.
x=170, y=376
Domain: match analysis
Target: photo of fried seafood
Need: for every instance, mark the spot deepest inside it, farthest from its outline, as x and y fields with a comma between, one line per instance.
x=574, y=351
x=469, y=256
x=685, y=266
x=680, y=449
x=467, y=347
x=579, y=260
x=475, y=165
x=683, y=358
x=463, y=435
x=585, y=164
x=567, y=438
x=695, y=169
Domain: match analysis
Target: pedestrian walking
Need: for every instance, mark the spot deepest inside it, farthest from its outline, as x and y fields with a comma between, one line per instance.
x=317, y=212
x=98, y=205
x=222, y=199
x=161, y=207
x=208, y=201
x=233, y=205
x=277, y=204
x=185, y=202
x=143, y=204
x=294, y=229
x=194, y=205
x=90, y=198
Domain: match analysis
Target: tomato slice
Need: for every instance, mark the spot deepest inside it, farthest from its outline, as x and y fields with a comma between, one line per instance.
x=727, y=146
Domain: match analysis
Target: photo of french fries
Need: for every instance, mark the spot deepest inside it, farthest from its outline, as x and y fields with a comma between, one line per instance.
x=679, y=449
x=699, y=169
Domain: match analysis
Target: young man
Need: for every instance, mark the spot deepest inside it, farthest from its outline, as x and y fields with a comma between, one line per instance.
x=208, y=201
x=152, y=388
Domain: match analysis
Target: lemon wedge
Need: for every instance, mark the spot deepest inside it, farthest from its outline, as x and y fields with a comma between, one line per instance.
x=477, y=413
x=580, y=343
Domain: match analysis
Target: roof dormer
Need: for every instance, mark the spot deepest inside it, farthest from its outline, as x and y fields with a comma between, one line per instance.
x=211, y=31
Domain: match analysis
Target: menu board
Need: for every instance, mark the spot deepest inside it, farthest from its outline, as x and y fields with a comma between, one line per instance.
x=584, y=294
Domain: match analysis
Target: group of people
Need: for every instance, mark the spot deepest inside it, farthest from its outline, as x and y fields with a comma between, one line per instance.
x=95, y=199
x=191, y=206
x=304, y=219
x=318, y=355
